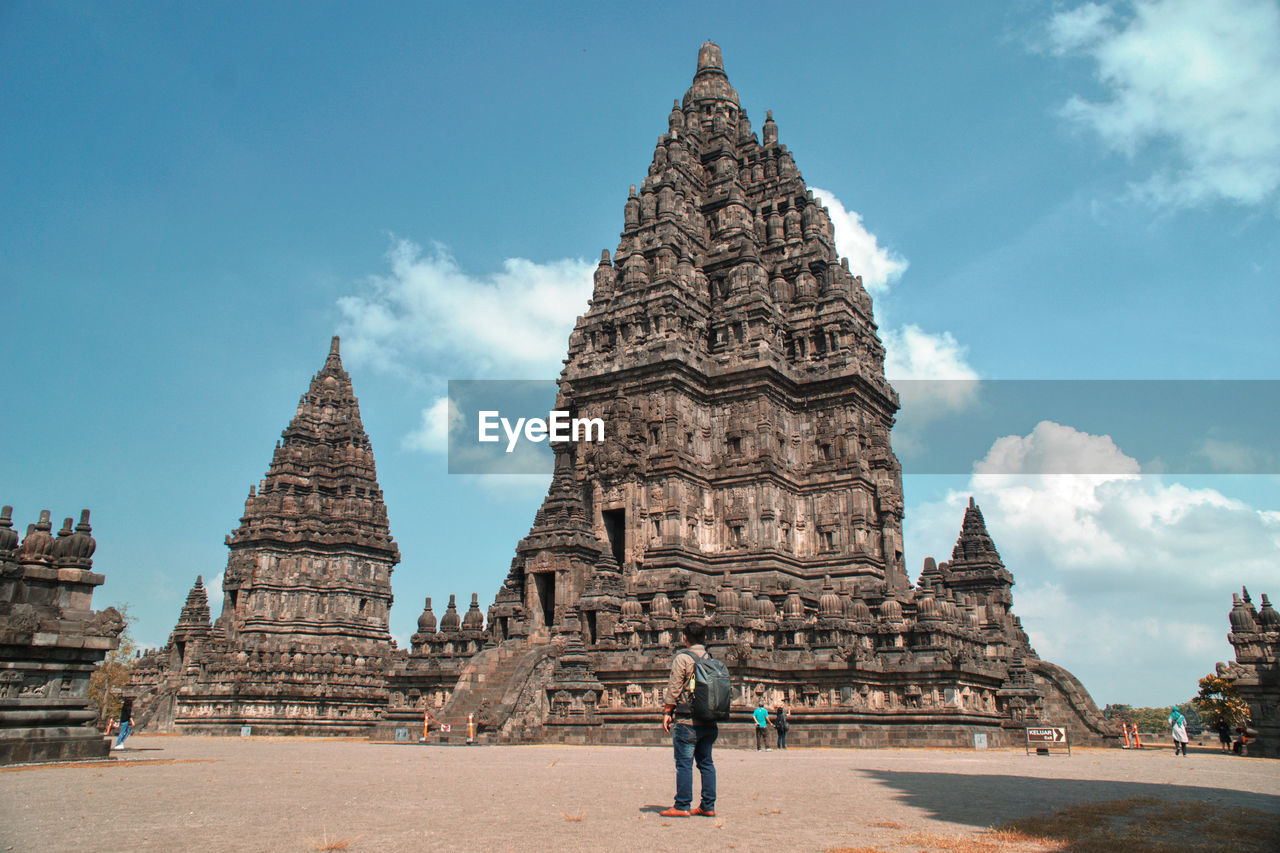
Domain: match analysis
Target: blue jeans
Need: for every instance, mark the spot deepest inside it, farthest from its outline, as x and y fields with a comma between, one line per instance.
x=693, y=743
x=782, y=738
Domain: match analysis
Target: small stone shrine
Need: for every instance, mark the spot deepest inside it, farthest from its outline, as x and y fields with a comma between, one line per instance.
x=302, y=643
x=51, y=640
x=1255, y=672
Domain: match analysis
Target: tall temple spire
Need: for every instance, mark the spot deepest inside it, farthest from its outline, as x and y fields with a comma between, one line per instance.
x=734, y=358
x=317, y=515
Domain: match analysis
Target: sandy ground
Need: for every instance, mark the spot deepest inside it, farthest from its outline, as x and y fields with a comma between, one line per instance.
x=300, y=794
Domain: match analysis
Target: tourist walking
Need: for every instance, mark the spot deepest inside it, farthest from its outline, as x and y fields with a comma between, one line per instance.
x=1224, y=734
x=781, y=723
x=126, y=724
x=691, y=738
x=1178, y=726
x=762, y=726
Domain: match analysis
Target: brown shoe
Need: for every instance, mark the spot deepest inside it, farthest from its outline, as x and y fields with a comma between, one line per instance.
x=674, y=812
x=700, y=811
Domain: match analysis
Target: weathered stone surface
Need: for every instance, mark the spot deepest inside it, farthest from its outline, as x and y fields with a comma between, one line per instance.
x=302, y=643
x=747, y=479
x=1255, y=672
x=50, y=642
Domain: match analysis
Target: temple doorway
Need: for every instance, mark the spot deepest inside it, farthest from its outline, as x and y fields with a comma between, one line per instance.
x=615, y=525
x=545, y=583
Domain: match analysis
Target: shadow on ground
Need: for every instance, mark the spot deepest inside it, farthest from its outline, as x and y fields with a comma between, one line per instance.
x=983, y=801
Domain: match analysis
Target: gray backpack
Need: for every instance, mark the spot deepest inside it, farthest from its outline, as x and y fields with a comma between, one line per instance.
x=712, y=692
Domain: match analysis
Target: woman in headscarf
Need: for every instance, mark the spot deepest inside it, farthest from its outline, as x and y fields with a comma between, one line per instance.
x=1178, y=726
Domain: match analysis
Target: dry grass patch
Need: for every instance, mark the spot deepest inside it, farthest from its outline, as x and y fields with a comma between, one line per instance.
x=884, y=824
x=573, y=818
x=1131, y=825
x=984, y=842
x=1145, y=825
x=336, y=844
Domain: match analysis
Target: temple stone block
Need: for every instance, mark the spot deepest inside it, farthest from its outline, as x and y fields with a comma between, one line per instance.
x=50, y=642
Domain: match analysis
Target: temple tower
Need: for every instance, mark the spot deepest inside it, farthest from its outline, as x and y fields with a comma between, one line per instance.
x=302, y=643
x=733, y=358
x=311, y=561
x=746, y=479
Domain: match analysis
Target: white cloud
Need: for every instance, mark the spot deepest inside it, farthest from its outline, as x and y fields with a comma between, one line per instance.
x=932, y=377
x=878, y=266
x=431, y=318
x=1195, y=85
x=1079, y=28
x=1231, y=457
x=1124, y=578
x=912, y=353
x=213, y=591
x=432, y=434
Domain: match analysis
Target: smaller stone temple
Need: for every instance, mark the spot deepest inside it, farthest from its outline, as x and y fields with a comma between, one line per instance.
x=1255, y=634
x=51, y=639
x=302, y=643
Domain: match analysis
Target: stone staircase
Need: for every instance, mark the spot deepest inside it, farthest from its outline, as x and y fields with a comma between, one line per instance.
x=489, y=688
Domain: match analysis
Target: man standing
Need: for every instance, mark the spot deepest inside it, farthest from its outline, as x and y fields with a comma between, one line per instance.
x=692, y=738
x=762, y=726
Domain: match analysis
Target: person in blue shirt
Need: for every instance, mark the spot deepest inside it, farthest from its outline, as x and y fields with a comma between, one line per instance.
x=762, y=726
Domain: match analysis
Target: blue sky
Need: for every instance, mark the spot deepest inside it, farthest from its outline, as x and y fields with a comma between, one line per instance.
x=197, y=198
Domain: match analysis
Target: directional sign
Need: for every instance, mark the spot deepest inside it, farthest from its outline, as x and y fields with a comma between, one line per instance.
x=1048, y=737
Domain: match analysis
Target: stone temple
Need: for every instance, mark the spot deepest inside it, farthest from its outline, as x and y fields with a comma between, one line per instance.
x=1255, y=637
x=51, y=639
x=747, y=480
x=302, y=643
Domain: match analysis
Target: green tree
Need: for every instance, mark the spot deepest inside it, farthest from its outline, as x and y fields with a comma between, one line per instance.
x=1150, y=719
x=1220, y=702
x=1117, y=714
x=112, y=674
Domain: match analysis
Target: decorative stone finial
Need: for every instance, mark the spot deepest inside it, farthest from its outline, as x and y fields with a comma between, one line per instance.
x=8, y=536
x=709, y=57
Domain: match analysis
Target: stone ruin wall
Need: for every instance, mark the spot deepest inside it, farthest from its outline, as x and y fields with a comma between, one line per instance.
x=51, y=640
x=1255, y=636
